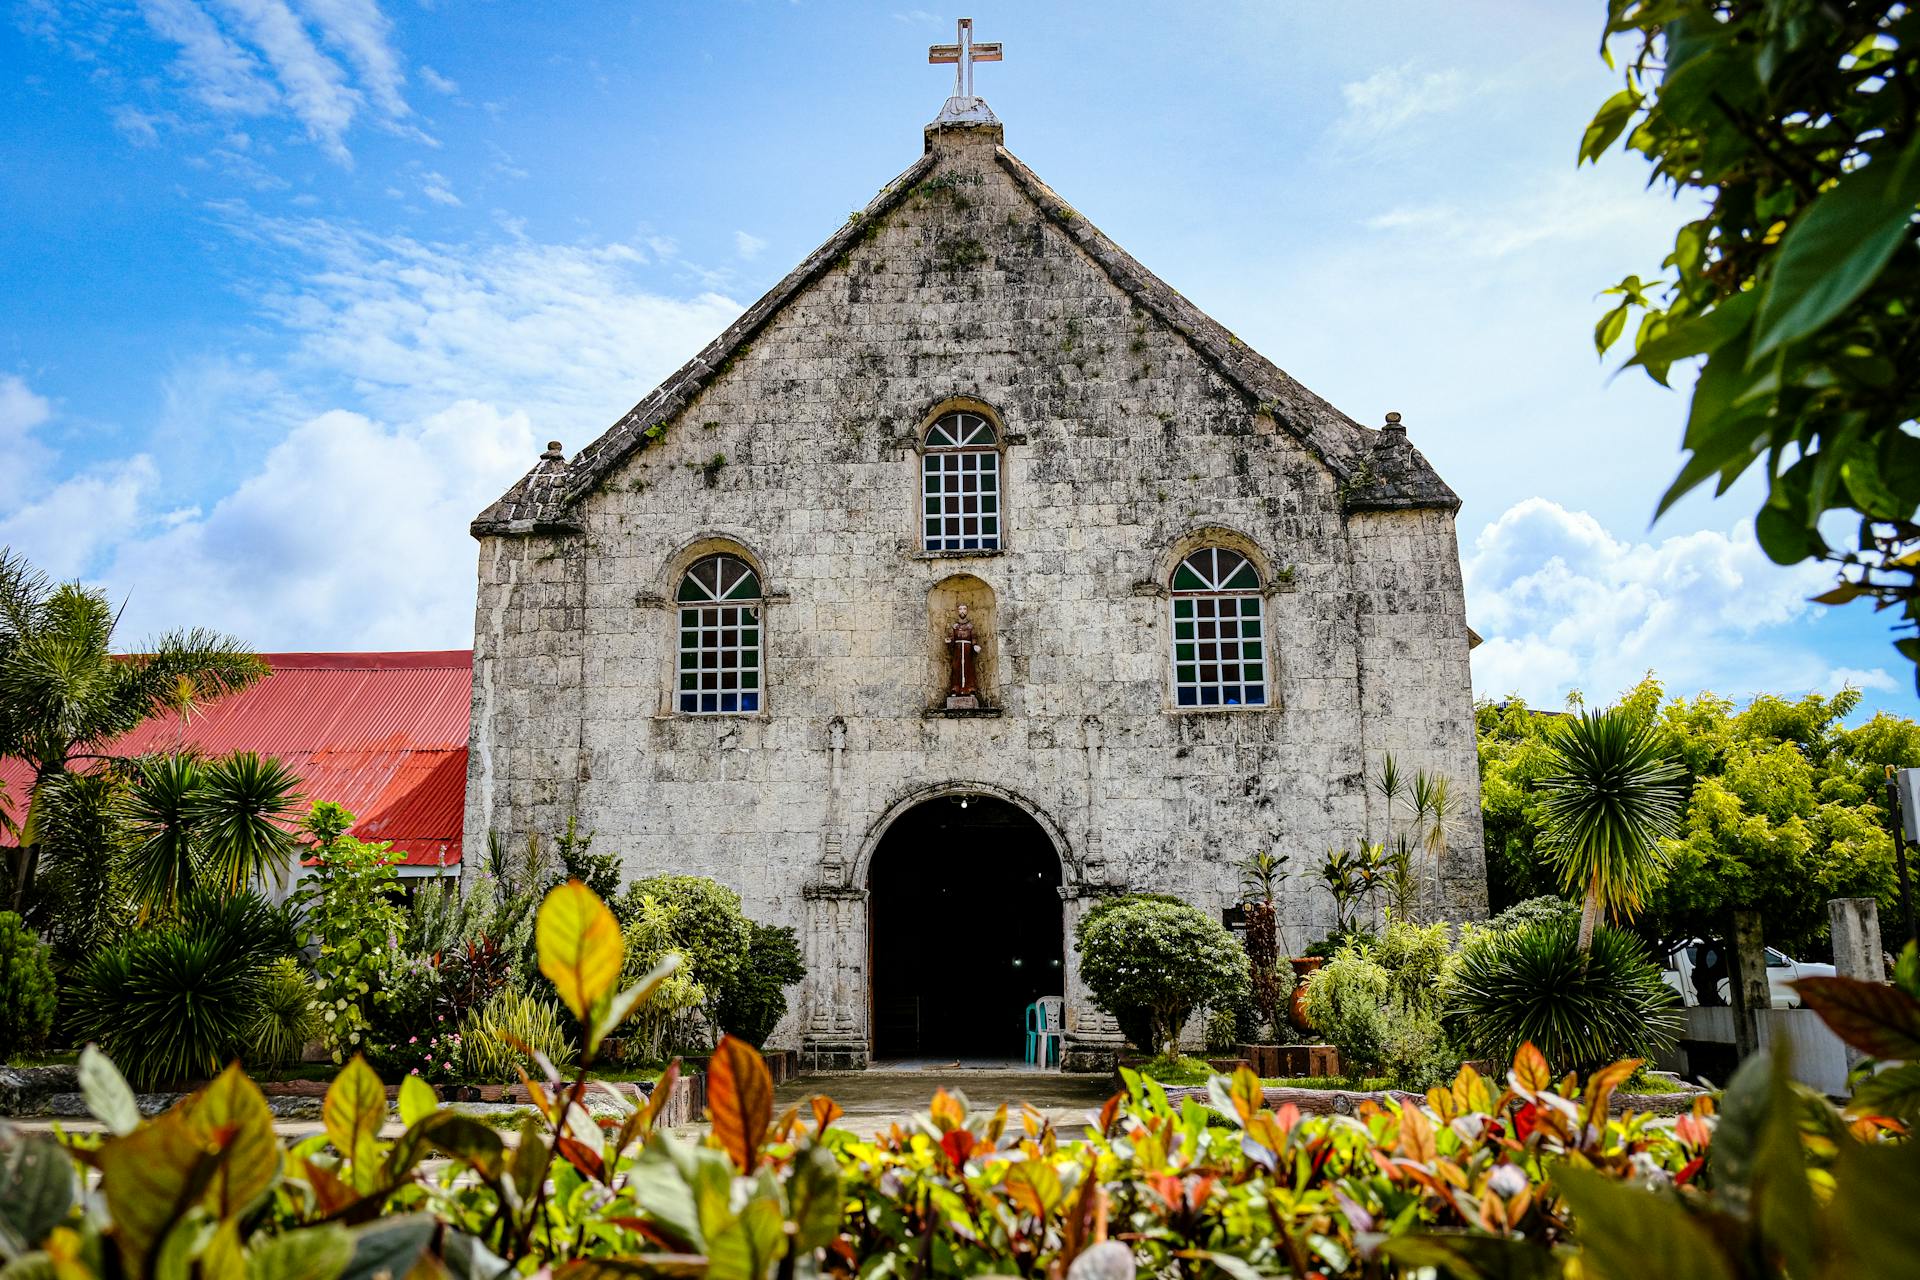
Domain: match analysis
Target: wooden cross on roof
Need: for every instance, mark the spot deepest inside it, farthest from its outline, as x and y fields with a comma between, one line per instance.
x=963, y=53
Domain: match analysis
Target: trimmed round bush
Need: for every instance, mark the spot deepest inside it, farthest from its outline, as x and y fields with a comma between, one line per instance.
x=708, y=929
x=1581, y=1011
x=27, y=991
x=1151, y=963
x=753, y=1006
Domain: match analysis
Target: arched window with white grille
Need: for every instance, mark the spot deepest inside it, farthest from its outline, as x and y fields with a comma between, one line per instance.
x=1219, y=631
x=720, y=609
x=960, y=484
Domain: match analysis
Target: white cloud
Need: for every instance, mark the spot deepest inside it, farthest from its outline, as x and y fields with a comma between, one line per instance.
x=437, y=82
x=364, y=34
x=570, y=335
x=1379, y=107
x=1564, y=605
x=315, y=85
x=21, y=410
x=65, y=529
x=260, y=57
x=1866, y=679
x=436, y=188
x=747, y=246
x=350, y=534
x=218, y=71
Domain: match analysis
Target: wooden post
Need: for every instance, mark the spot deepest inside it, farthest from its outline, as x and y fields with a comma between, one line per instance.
x=1748, y=981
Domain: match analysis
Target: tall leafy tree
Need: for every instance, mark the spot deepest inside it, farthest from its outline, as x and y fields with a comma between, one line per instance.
x=1786, y=809
x=64, y=693
x=1612, y=797
x=1795, y=126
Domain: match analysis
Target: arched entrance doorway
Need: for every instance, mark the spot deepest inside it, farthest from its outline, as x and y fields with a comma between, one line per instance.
x=965, y=929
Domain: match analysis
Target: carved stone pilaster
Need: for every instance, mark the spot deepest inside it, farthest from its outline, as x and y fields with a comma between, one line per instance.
x=835, y=1035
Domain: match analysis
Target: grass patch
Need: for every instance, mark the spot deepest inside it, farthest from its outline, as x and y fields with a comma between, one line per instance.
x=1356, y=1084
x=631, y=1073
x=52, y=1058
x=1181, y=1070
x=1644, y=1081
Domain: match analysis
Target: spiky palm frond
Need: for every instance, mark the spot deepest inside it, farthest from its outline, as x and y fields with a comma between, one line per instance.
x=243, y=814
x=1612, y=796
x=158, y=812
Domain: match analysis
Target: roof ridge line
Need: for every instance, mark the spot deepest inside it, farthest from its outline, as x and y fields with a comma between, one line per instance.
x=630, y=431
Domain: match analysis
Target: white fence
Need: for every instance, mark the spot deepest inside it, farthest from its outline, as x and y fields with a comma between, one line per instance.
x=1817, y=1057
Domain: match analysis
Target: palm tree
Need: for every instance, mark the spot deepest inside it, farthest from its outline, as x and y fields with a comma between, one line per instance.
x=1612, y=796
x=64, y=694
x=160, y=854
x=243, y=813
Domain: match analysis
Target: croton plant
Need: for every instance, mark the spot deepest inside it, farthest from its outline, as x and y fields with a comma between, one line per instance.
x=1529, y=1176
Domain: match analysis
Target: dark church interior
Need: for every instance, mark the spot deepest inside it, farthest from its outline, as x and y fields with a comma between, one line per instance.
x=966, y=930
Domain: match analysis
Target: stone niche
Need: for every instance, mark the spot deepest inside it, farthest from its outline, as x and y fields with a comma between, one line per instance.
x=943, y=606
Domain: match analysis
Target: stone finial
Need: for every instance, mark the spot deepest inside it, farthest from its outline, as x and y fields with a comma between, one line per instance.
x=1394, y=424
x=554, y=452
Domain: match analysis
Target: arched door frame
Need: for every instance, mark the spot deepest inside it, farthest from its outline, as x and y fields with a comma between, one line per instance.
x=862, y=865
x=859, y=871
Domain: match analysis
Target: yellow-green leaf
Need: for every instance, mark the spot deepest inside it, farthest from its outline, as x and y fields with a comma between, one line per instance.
x=354, y=1111
x=1034, y=1186
x=579, y=944
x=233, y=1113
x=317, y=1253
x=417, y=1101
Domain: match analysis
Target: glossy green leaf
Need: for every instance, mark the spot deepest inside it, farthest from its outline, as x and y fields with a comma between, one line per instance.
x=315, y=1253
x=747, y=1247
x=579, y=946
x=417, y=1100
x=1608, y=123
x=1837, y=247
x=815, y=1199
x=1894, y=1092
x=663, y=1191
x=36, y=1189
x=355, y=1110
x=1628, y=1233
x=389, y=1248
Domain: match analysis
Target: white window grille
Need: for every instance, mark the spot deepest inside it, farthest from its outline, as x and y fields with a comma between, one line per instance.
x=719, y=637
x=960, y=485
x=1219, y=632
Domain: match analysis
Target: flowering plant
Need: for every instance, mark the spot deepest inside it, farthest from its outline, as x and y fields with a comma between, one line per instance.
x=436, y=1059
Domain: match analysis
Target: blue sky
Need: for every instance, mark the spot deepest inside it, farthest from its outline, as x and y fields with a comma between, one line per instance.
x=297, y=286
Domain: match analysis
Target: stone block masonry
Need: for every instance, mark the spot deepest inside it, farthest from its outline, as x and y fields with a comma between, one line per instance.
x=1134, y=430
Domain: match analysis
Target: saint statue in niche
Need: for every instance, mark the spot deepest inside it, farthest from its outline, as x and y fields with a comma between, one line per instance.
x=963, y=663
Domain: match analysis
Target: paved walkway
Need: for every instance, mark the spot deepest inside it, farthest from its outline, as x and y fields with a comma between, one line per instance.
x=894, y=1092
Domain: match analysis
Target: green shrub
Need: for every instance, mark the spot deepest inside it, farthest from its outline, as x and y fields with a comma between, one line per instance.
x=757, y=1000
x=178, y=1000
x=665, y=1024
x=286, y=1018
x=1533, y=984
x=708, y=929
x=1152, y=963
x=1329, y=946
x=1416, y=1052
x=27, y=992
x=487, y=1036
x=1346, y=1003
x=1417, y=959
x=1548, y=908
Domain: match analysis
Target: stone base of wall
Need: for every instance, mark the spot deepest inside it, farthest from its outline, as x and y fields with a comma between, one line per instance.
x=833, y=1055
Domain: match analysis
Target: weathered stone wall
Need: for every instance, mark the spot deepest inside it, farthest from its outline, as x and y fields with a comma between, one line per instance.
x=1126, y=449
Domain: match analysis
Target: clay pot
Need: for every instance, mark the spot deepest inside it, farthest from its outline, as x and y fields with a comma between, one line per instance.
x=1297, y=1002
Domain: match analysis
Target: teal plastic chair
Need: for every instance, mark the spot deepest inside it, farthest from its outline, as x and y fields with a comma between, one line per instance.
x=1033, y=1032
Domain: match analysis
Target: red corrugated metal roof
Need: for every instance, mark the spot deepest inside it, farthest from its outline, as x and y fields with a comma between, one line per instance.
x=384, y=734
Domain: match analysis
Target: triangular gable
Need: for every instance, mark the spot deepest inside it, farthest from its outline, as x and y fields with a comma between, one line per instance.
x=1375, y=470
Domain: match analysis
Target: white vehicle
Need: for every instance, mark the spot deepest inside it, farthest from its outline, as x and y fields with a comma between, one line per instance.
x=1781, y=970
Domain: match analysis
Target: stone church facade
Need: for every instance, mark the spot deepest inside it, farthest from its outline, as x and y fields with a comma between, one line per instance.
x=1207, y=604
